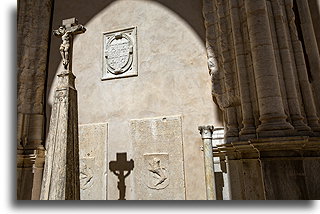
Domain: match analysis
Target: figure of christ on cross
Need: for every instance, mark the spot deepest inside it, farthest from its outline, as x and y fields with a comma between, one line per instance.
x=69, y=28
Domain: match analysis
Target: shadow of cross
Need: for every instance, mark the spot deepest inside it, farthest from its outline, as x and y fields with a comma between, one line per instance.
x=118, y=168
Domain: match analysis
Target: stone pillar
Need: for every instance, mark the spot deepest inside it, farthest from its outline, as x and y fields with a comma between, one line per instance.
x=314, y=6
x=311, y=48
x=301, y=69
x=272, y=116
x=276, y=79
x=206, y=135
x=33, y=35
x=61, y=173
x=248, y=130
x=29, y=173
x=287, y=66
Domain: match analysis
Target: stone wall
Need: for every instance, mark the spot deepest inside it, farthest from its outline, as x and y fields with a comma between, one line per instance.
x=264, y=65
x=33, y=35
x=172, y=79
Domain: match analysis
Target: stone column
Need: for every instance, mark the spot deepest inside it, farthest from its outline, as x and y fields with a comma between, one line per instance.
x=272, y=116
x=288, y=66
x=61, y=172
x=311, y=48
x=248, y=130
x=206, y=135
x=301, y=69
x=314, y=6
x=33, y=35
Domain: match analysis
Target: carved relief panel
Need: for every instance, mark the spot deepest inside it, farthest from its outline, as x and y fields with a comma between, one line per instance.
x=158, y=157
x=119, y=54
x=156, y=170
x=92, y=161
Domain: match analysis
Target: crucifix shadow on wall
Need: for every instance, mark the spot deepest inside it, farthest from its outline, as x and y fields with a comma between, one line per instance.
x=122, y=169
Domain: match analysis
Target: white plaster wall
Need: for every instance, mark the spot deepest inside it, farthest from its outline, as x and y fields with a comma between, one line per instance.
x=172, y=79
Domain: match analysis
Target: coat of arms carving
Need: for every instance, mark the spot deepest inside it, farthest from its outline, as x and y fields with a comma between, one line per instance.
x=86, y=173
x=119, y=54
x=156, y=170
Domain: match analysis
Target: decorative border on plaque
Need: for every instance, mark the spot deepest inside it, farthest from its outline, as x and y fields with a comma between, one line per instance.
x=119, y=57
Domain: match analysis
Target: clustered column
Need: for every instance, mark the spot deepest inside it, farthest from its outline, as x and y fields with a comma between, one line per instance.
x=259, y=68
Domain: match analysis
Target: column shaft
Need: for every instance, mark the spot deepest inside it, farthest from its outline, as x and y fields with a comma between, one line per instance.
x=288, y=67
x=272, y=116
x=248, y=129
x=206, y=134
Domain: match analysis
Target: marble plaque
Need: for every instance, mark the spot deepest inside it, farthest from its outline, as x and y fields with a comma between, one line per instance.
x=119, y=54
x=158, y=158
x=93, y=161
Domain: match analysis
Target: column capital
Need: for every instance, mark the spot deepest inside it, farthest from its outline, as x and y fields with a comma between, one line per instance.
x=206, y=131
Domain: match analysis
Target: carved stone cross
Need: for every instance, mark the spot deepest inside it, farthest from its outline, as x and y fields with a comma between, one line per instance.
x=61, y=179
x=69, y=28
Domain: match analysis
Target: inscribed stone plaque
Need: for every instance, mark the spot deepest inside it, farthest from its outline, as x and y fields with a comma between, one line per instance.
x=158, y=157
x=119, y=54
x=93, y=160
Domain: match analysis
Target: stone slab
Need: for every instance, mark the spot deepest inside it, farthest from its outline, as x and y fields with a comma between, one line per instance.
x=158, y=157
x=93, y=160
x=119, y=54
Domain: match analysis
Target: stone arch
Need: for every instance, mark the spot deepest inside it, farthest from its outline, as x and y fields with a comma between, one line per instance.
x=193, y=59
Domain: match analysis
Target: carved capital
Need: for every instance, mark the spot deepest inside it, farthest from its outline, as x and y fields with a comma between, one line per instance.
x=206, y=131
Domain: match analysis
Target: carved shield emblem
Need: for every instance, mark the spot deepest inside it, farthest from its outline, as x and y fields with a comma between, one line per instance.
x=118, y=53
x=156, y=170
x=86, y=173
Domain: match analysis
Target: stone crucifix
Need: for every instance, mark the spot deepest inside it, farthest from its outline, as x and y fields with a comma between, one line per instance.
x=69, y=28
x=61, y=179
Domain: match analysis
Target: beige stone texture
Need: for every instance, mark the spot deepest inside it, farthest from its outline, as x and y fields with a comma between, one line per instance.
x=263, y=58
x=61, y=170
x=93, y=161
x=158, y=158
x=172, y=77
x=33, y=24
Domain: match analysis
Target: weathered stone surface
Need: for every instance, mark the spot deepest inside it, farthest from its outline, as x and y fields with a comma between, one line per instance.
x=158, y=157
x=93, y=161
x=172, y=80
x=119, y=54
x=33, y=24
x=268, y=58
x=273, y=168
x=291, y=186
x=61, y=172
x=33, y=30
x=206, y=135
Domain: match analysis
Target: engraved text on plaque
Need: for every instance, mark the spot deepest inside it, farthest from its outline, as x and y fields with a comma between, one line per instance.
x=119, y=54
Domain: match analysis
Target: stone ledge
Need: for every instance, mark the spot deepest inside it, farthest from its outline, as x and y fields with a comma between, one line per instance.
x=293, y=147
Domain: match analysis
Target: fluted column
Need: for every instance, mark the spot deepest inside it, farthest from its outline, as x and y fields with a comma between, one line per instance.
x=272, y=116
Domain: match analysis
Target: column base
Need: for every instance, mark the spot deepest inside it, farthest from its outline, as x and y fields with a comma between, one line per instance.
x=280, y=168
x=273, y=128
x=247, y=132
x=300, y=126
